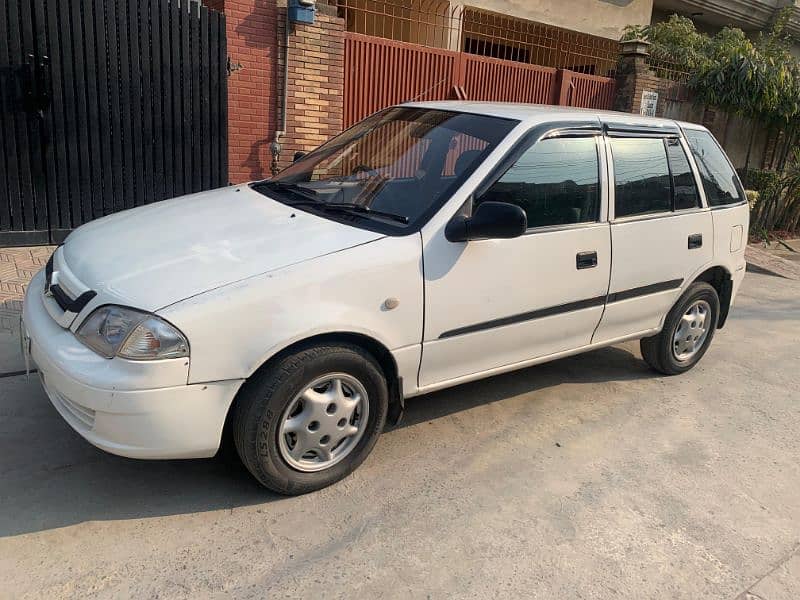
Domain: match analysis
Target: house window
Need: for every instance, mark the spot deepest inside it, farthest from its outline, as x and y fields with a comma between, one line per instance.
x=485, y=47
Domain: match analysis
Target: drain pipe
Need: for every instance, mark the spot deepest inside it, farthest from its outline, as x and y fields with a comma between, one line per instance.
x=276, y=146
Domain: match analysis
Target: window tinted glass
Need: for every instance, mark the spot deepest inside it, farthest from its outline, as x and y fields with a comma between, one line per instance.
x=642, y=182
x=555, y=182
x=464, y=150
x=683, y=182
x=719, y=179
x=403, y=160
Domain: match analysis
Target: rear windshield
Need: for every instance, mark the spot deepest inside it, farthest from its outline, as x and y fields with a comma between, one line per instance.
x=719, y=179
x=403, y=162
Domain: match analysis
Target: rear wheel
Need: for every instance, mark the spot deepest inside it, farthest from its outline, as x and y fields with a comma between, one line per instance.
x=687, y=333
x=311, y=418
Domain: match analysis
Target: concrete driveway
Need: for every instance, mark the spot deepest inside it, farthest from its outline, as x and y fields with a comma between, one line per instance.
x=590, y=477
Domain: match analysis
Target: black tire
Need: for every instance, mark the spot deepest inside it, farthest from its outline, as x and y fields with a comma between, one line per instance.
x=657, y=350
x=261, y=403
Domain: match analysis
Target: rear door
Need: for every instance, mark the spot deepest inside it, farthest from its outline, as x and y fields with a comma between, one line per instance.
x=661, y=234
x=727, y=201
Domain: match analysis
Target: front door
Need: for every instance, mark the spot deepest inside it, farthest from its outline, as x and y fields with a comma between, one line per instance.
x=490, y=304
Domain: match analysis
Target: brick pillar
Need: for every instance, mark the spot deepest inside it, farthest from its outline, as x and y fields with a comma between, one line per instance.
x=315, y=106
x=632, y=75
x=252, y=85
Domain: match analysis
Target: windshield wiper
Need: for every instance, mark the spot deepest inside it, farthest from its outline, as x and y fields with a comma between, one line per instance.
x=352, y=208
x=312, y=200
x=289, y=187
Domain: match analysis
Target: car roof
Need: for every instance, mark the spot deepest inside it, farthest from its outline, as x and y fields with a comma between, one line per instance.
x=534, y=114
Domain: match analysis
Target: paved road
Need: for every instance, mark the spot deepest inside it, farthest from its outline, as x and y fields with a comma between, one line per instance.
x=590, y=477
x=17, y=267
x=783, y=261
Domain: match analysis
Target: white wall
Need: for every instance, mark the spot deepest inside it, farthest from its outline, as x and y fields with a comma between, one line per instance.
x=605, y=18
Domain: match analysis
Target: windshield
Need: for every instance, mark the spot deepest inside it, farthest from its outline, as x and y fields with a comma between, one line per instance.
x=393, y=170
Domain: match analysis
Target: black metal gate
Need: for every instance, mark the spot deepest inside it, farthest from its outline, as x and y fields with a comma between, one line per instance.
x=106, y=105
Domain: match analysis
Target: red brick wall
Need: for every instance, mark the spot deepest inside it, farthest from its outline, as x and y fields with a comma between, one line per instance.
x=316, y=83
x=666, y=89
x=634, y=76
x=253, y=89
x=256, y=30
x=218, y=5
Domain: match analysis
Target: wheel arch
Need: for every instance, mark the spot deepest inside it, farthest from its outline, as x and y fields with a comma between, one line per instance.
x=377, y=349
x=721, y=280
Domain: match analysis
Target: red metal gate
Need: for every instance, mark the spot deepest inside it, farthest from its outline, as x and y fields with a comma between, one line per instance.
x=381, y=72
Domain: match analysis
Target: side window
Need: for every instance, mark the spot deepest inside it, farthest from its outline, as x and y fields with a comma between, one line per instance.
x=555, y=182
x=641, y=176
x=719, y=179
x=683, y=182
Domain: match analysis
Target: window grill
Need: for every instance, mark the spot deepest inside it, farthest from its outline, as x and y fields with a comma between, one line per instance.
x=436, y=24
x=668, y=69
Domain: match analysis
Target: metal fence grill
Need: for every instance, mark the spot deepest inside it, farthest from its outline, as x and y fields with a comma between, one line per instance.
x=381, y=72
x=105, y=106
x=668, y=69
x=437, y=24
x=507, y=81
x=510, y=38
x=590, y=91
x=430, y=23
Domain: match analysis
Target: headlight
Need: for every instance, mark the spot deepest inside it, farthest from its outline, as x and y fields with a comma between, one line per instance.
x=118, y=331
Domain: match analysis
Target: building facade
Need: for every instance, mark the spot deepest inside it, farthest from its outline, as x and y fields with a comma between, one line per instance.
x=275, y=111
x=747, y=15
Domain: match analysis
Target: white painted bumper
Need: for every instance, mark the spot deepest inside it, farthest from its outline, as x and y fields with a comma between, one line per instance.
x=130, y=408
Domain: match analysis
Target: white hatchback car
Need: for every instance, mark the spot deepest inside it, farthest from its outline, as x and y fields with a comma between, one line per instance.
x=429, y=245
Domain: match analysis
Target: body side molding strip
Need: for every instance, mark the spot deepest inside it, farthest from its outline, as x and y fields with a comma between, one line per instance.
x=550, y=311
x=645, y=290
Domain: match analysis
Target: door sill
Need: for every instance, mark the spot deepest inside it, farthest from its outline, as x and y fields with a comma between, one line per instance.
x=526, y=363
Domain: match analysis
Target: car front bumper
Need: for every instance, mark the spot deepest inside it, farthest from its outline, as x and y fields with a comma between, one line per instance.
x=138, y=409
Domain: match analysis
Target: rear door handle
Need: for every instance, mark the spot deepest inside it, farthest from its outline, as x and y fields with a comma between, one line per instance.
x=586, y=260
x=695, y=241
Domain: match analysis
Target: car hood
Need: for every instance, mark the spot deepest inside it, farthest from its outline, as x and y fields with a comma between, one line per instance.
x=155, y=255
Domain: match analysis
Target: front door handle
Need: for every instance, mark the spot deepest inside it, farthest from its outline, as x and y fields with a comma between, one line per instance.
x=586, y=260
x=695, y=241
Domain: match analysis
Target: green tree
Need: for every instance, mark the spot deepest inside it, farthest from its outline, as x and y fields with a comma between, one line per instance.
x=757, y=78
x=754, y=78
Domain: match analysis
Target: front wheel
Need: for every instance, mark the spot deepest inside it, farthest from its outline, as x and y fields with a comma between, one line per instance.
x=309, y=419
x=687, y=333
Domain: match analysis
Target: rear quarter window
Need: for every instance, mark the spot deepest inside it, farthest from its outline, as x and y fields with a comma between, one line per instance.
x=718, y=177
x=684, y=186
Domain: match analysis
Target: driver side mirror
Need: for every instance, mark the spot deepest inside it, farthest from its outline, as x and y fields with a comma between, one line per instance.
x=298, y=155
x=491, y=220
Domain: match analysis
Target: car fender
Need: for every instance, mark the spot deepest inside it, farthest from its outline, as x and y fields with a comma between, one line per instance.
x=374, y=290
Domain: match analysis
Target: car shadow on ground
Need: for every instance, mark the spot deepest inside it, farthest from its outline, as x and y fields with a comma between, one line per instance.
x=599, y=366
x=53, y=478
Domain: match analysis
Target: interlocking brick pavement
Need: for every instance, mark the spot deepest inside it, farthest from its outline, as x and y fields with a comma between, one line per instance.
x=17, y=267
